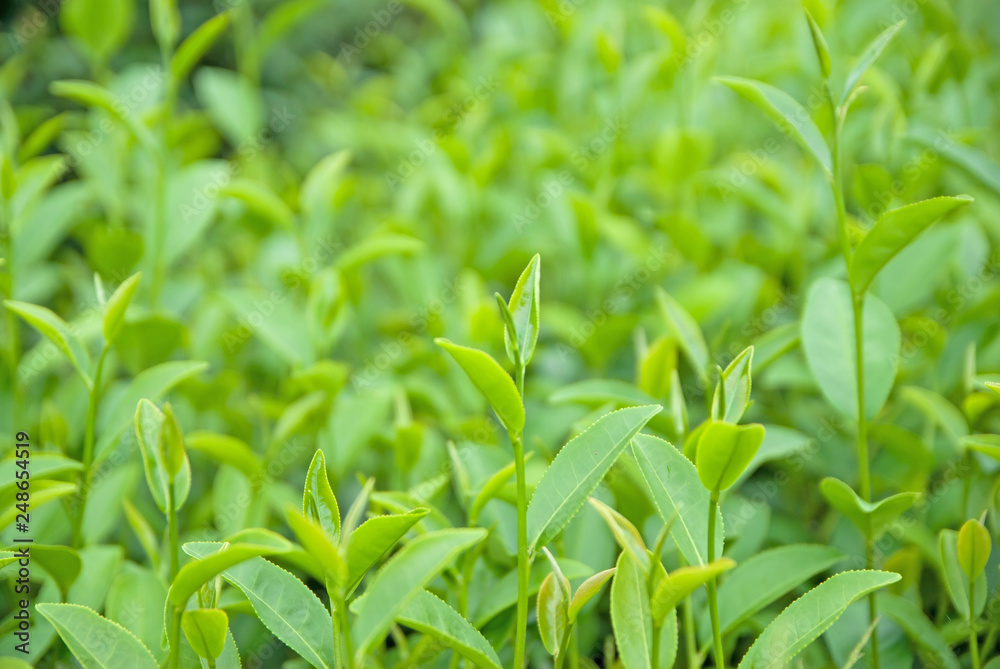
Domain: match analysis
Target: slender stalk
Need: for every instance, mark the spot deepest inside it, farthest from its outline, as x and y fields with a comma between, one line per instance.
x=973, y=635
x=172, y=530
x=345, y=633
x=713, y=598
x=173, y=660
x=86, y=476
x=654, y=658
x=338, y=661
x=690, y=644
x=522, y=546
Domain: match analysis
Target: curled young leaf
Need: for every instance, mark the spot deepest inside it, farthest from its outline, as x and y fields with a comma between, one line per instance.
x=973, y=548
x=318, y=500
x=724, y=451
x=205, y=630
x=525, y=308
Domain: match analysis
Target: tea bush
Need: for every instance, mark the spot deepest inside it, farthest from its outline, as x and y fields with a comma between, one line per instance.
x=286, y=385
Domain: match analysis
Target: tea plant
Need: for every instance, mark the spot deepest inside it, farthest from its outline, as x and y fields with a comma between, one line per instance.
x=264, y=406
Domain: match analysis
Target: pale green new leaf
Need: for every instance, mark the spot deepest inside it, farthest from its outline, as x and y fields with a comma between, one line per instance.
x=434, y=618
x=206, y=630
x=788, y=114
x=57, y=331
x=624, y=532
x=631, y=618
x=732, y=394
x=893, y=232
x=226, y=450
x=872, y=518
x=149, y=433
x=578, y=468
x=211, y=559
x=973, y=548
x=809, y=616
x=680, y=583
x=678, y=495
x=402, y=577
x=956, y=580
x=96, y=642
x=525, y=307
x=587, y=591
x=868, y=58
x=114, y=313
x=552, y=613
x=724, y=451
x=197, y=45
x=503, y=594
x=319, y=544
x=318, y=500
x=492, y=381
x=373, y=540
x=492, y=487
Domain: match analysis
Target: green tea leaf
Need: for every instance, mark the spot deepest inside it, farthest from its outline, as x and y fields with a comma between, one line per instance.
x=819, y=42
x=402, y=577
x=318, y=500
x=685, y=329
x=678, y=495
x=765, y=577
x=492, y=487
x=624, y=532
x=226, y=450
x=319, y=544
x=957, y=581
x=42, y=492
x=973, y=548
x=492, y=381
x=114, y=313
x=939, y=410
x=631, y=618
x=893, y=232
x=829, y=343
x=62, y=563
x=552, y=613
x=871, y=518
x=101, y=27
x=57, y=331
x=680, y=583
x=788, y=114
x=525, y=308
x=149, y=433
x=197, y=45
x=587, y=591
x=262, y=201
x=868, y=58
x=96, y=642
x=431, y=616
x=809, y=616
x=205, y=630
x=211, y=559
x=373, y=540
x=166, y=22
x=921, y=631
x=503, y=595
x=732, y=394
x=578, y=468
x=724, y=451
x=282, y=602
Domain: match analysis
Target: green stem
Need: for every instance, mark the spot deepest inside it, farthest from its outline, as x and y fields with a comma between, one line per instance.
x=973, y=635
x=713, y=599
x=345, y=633
x=690, y=643
x=172, y=530
x=522, y=546
x=654, y=658
x=86, y=476
x=173, y=660
x=338, y=661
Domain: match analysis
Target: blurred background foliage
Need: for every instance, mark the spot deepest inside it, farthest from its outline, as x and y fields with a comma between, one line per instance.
x=345, y=181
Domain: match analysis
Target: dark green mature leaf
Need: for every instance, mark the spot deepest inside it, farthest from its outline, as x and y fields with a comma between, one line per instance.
x=96, y=642
x=809, y=616
x=788, y=114
x=872, y=518
x=893, y=232
x=724, y=451
x=374, y=539
x=732, y=394
x=631, y=617
x=406, y=574
x=525, y=308
x=678, y=495
x=868, y=58
x=686, y=330
x=578, y=468
x=492, y=381
x=318, y=500
x=431, y=616
x=57, y=331
x=282, y=602
x=829, y=343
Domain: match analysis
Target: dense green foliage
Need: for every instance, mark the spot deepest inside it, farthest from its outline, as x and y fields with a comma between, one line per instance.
x=440, y=333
